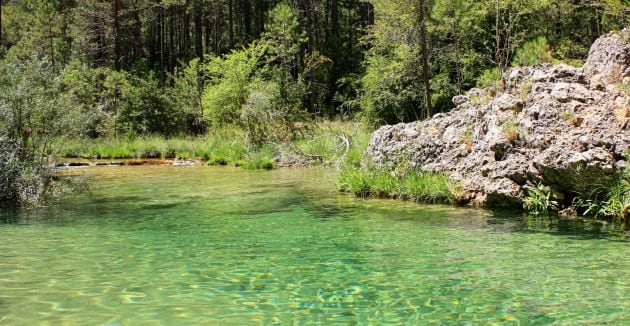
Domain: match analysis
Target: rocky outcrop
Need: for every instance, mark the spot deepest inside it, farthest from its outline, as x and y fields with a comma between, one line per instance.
x=564, y=127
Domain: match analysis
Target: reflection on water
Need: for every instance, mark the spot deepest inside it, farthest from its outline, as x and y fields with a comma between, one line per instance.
x=194, y=245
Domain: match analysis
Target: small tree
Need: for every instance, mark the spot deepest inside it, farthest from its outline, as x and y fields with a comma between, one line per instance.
x=35, y=114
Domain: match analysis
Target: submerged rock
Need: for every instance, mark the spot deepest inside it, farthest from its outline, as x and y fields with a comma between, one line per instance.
x=563, y=127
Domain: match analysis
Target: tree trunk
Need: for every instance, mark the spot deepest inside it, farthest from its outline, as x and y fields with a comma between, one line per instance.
x=116, y=35
x=230, y=24
x=247, y=19
x=1, y=23
x=425, y=57
x=198, y=30
x=137, y=34
x=160, y=38
x=51, y=43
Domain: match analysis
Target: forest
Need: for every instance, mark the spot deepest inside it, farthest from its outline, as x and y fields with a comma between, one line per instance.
x=263, y=71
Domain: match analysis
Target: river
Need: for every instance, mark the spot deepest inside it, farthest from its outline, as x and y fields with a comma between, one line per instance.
x=163, y=245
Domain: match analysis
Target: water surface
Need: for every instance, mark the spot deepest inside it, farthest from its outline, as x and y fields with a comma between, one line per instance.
x=221, y=246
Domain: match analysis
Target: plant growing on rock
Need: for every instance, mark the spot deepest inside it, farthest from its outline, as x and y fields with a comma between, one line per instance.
x=510, y=129
x=539, y=200
x=525, y=89
x=467, y=139
x=607, y=201
x=481, y=99
x=570, y=117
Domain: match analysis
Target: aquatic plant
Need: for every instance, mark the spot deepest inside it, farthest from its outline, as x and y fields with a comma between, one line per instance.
x=539, y=200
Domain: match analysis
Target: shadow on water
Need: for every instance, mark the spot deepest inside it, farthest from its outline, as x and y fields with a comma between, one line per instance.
x=579, y=228
x=505, y=221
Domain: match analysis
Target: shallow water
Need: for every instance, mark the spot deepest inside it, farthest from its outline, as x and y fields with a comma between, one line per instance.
x=222, y=246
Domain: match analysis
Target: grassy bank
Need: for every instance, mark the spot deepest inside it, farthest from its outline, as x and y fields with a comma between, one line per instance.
x=414, y=185
x=324, y=143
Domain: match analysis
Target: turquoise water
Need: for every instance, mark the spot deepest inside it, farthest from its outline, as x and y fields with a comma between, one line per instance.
x=221, y=246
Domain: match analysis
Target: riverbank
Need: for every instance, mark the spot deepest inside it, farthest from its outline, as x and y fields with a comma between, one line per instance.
x=327, y=143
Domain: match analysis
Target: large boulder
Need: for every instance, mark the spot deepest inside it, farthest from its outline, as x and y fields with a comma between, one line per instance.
x=564, y=127
x=609, y=58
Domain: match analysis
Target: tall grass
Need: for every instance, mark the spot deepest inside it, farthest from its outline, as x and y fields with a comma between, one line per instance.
x=333, y=142
x=414, y=185
x=219, y=147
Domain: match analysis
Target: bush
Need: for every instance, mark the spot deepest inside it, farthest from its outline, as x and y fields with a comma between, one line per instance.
x=489, y=78
x=146, y=109
x=256, y=88
x=533, y=52
x=23, y=182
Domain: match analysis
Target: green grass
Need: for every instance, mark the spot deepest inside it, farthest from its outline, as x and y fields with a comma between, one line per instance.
x=262, y=159
x=414, y=185
x=334, y=142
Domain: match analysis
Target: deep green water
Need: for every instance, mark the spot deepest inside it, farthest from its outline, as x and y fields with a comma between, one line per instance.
x=221, y=246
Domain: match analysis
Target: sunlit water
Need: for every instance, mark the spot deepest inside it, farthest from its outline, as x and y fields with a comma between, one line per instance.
x=221, y=246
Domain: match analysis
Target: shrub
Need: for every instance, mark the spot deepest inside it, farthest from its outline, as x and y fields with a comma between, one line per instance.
x=533, y=52
x=489, y=78
x=467, y=138
x=24, y=182
x=228, y=82
x=391, y=91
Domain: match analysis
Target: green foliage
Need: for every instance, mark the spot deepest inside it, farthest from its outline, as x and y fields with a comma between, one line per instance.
x=612, y=201
x=255, y=88
x=533, y=52
x=489, y=78
x=228, y=81
x=390, y=87
x=186, y=95
x=262, y=159
x=145, y=109
x=115, y=103
x=414, y=185
x=35, y=109
x=539, y=201
x=35, y=113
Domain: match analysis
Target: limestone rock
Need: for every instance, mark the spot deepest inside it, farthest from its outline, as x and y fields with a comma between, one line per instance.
x=609, y=59
x=561, y=126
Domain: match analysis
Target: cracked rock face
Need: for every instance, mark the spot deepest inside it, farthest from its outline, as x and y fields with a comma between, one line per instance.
x=564, y=127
